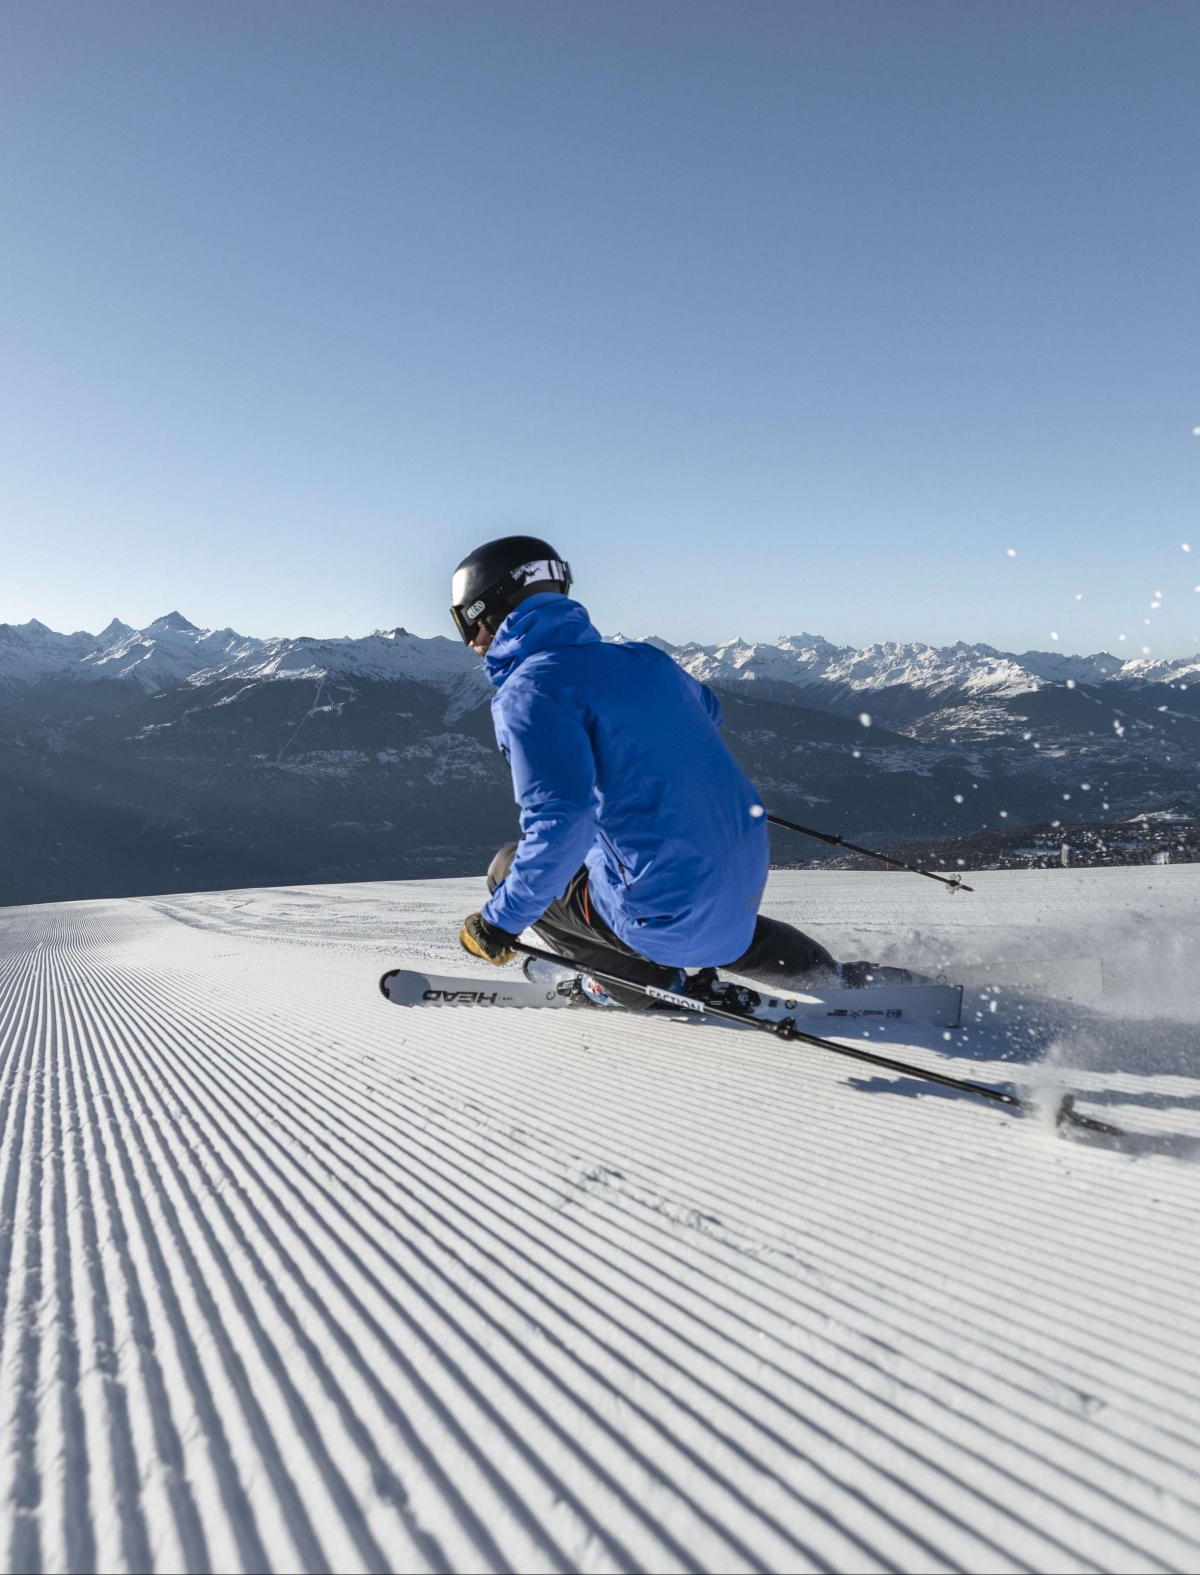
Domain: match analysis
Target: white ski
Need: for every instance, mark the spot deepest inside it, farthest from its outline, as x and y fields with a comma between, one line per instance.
x=924, y=1001
x=406, y=987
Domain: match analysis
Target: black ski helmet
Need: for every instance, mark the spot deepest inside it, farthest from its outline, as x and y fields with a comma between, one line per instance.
x=493, y=579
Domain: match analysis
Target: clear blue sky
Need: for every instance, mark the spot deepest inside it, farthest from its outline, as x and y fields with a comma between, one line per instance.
x=772, y=316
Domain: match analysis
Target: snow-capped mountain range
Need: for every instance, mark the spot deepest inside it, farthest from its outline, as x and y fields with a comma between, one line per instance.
x=809, y=660
x=175, y=758
x=171, y=650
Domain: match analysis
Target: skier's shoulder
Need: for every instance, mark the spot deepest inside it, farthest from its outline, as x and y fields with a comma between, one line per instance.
x=557, y=666
x=545, y=677
x=636, y=661
x=582, y=677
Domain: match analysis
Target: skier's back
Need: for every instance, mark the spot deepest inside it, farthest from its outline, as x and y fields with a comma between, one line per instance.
x=640, y=833
x=618, y=765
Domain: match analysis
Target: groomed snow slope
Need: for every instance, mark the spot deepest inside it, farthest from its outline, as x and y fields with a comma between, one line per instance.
x=294, y=1279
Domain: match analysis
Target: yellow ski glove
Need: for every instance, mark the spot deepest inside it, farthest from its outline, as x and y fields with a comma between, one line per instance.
x=484, y=940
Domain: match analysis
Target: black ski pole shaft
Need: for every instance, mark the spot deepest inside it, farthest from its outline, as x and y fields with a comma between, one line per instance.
x=954, y=882
x=786, y=1029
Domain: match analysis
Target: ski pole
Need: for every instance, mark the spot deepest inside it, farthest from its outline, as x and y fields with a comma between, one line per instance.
x=786, y=1029
x=954, y=882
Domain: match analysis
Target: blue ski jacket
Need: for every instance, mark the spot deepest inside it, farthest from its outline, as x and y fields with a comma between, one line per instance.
x=617, y=764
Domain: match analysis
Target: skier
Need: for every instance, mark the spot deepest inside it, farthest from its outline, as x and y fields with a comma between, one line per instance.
x=643, y=846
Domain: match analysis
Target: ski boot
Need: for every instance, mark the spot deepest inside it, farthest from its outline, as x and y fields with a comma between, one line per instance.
x=707, y=985
x=592, y=991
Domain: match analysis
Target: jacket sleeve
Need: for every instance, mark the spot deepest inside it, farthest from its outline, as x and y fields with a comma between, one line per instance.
x=554, y=780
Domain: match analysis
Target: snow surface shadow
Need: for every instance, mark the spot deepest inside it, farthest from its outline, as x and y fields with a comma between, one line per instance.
x=1171, y=1145
x=1065, y=1043
x=914, y=1088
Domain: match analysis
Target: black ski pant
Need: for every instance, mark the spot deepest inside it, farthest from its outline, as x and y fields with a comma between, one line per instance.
x=778, y=956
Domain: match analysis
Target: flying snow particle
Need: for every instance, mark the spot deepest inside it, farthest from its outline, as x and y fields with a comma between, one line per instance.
x=958, y=798
x=1145, y=650
x=1026, y=736
x=865, y=718
x=857, y=753
x=1056, y=822
x=1070, y=683
x=1054, y=634
x=1065, y=797
x=1121, y=636
x=1003, y=814
x=1104, y=805
x=1011, y=551
x=1196, y=431
x=757, y=811
x=1086, y=786
x=1078, y=596
x=1185, y=546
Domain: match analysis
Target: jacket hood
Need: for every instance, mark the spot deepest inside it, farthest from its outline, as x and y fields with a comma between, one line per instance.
x=545, y=622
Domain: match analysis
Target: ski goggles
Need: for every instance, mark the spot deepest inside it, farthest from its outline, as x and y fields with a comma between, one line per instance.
x=497, y=598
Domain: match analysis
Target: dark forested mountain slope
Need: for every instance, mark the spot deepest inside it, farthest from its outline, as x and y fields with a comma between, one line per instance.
x=191, y=760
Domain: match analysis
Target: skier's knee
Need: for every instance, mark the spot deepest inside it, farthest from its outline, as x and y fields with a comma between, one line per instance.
x=500, y=865
x=780, y=951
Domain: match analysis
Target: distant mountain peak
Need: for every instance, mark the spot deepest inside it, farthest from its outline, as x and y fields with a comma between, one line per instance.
x=174, y=621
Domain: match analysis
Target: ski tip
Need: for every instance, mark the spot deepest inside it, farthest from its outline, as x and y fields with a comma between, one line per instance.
x=383, y=983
